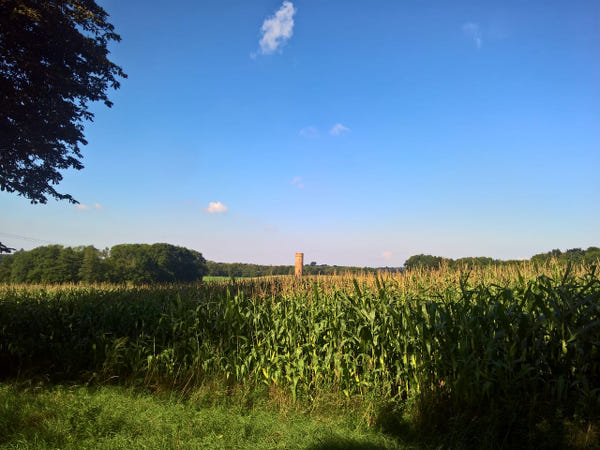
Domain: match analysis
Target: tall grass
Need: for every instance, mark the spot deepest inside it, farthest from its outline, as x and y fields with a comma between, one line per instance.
x=506, y=343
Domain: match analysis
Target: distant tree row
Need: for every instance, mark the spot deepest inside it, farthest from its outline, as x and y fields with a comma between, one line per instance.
x=165, y=263
x=137, y=264
x=433, y=262
x=575, y=255
x=125, y=263
x=238, y=270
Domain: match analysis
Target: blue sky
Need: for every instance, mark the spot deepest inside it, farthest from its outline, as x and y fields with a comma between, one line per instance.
x=359, y=133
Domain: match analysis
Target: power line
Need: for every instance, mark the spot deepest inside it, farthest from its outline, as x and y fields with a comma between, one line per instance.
x=30, y=239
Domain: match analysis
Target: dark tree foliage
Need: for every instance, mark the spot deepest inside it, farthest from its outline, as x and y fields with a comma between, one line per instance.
x=40, y=265
x=574, y=256
x=126, y=263
x=242, y=270
x=53, y=62
x=5, y=249
x=164, y=263
x=92, y=267
x=423, y=262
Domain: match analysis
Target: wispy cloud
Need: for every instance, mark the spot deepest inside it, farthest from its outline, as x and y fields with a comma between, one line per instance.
x=473, y=31
x=98, y=206
x=338, y=129
x=215, y=207
x=82, y=207
x=387, y=255
x=277, y=29
x=270, y=228
x=297, y=181
x=309, y=132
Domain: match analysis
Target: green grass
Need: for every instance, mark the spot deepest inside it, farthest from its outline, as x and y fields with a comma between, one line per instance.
x=112, y=417
x=117, y=417
x=215, y=278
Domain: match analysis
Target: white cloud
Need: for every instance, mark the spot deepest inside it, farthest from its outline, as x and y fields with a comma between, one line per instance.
x=309, y=132
x=338, y=129
x=473, y=31
x=387, y=255
x=82, y=207
x=297, y=181
x=215, y=207
x=277, y=29
x=98, y=206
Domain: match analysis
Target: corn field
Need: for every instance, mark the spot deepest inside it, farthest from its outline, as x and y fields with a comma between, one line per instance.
x=488, y=338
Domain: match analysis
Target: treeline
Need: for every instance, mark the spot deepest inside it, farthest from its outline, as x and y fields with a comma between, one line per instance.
x=573, y=256
x=138, y=264
x=124, y=263
x=165, y=263
x=238, y=270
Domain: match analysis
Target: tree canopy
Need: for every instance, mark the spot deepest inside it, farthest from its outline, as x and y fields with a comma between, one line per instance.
x=574, y=255
x=125, y=263
x=53, y=62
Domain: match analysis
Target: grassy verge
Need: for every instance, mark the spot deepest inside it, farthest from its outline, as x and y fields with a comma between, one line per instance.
x=117, y=417
x=113, y=417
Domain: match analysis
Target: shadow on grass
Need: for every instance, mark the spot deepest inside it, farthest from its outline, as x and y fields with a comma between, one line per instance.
x=439, y=428
x=345, y=444
x=401, y=426
x=28, y=418
x=19, y=420
x=393, y=423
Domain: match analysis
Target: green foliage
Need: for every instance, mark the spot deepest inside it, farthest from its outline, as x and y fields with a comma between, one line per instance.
x=111, y=417
x=423, y=262
x=496, y=355
x=163, y=263
x=50, y=264
x=241, y=270
x=127, y=263
x=573, y=256
x=93, y=267
x=6, y=267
